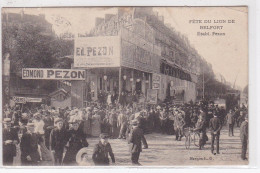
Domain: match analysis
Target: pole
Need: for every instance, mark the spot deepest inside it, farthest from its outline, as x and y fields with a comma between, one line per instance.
x=132, y=82
x=120, y=82
x=203, y=83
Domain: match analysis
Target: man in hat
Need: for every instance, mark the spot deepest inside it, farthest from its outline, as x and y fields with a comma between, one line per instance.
x=215, y=126
x=58, y=140
x=163, y=120
x=244, y=137
x=102, y=150
x=29, y=146
x=136, y=138
x=113, y=123
x=231, y=122
x=122, y=123
x=200, y=128
x=10, y=139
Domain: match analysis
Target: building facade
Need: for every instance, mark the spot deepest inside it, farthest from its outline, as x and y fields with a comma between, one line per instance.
x=134, y=51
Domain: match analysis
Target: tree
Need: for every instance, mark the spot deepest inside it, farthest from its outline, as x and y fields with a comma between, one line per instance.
x=31, y=47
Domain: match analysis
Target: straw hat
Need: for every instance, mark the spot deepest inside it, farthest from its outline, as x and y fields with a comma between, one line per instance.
x=80, y=153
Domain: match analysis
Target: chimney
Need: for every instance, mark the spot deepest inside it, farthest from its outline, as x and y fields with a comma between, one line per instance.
x=98, y=21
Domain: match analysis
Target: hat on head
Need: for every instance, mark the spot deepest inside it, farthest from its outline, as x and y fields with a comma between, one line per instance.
x=24, y=115
x=134, y=122
x=104, y=135
x=7, y=120
x=137, y=114
x=73, y=120
x=56, y=120
x=37, y=115
x=30, y=125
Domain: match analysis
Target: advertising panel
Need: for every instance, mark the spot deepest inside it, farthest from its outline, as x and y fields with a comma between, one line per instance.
x=156, y=81
x=53, y=74
x=152, y=96
x=97, y=51
x=26, y=99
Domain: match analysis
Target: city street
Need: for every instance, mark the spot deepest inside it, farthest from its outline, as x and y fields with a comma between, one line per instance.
x=77, y=74
x=164, y=150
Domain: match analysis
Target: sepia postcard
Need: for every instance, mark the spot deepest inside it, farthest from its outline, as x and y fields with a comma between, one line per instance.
x=124, y=86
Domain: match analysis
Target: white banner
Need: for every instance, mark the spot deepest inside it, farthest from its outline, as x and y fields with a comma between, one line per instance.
x=26, y=99
x=53, y=74
x=97, y=51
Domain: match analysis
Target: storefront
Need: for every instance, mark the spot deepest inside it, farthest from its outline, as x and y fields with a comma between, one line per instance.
x=112, y=64
x=122, y=56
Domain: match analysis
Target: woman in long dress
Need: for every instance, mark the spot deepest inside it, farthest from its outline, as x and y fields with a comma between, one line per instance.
x=77, y=140
x=86, y=123
x=95, y=125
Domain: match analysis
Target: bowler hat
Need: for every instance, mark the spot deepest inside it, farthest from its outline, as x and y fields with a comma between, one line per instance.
x=7, y=120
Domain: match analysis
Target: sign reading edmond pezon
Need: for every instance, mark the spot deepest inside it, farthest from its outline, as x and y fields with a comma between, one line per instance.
x=53, y=74
x=97, y=51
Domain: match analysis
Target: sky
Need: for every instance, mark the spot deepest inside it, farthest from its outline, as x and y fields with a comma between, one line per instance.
x=228, y=54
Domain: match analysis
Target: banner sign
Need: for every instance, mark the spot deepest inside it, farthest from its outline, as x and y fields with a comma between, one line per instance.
x=53, y=74
x=156, y=81
x=97, y=51
x=26, y=99
x=152, y=96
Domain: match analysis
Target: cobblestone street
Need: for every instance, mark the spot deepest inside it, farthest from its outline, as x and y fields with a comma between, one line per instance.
x=164, y=150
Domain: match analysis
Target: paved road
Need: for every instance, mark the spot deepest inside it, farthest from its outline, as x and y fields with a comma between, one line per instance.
x=165, y=151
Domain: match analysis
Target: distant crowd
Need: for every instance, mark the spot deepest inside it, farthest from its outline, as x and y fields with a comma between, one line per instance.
x=58, y=136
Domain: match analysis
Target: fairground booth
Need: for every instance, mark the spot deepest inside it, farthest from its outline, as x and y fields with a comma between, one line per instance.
x=133, y=51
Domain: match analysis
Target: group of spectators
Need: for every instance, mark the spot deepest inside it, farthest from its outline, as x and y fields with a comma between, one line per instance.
x=54, y=136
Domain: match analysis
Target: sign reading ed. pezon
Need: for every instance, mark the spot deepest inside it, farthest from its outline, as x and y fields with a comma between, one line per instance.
x=102, y=51
x=53, y=74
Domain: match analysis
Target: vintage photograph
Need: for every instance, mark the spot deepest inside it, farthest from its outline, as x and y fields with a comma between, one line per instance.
x=124, y=86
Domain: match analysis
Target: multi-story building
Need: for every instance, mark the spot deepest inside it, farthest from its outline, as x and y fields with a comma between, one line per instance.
x=145, y=52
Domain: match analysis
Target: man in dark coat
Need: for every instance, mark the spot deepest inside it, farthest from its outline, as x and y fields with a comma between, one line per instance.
x=244, y=137
x=102, y=150
x=58, y=140
x=215, y=127
x=231, y=122
x=200, y=127
x=135, y=139
x=237, y=114
x=10, y=139
x=113, y=123
x=29, y=147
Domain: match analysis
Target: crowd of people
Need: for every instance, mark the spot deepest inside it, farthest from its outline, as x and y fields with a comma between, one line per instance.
x=55, y=136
